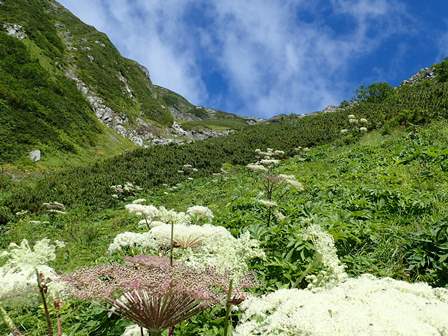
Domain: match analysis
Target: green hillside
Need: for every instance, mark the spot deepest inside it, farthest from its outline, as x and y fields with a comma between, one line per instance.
x=56, y=73
x=370, y=178
x=383, y=199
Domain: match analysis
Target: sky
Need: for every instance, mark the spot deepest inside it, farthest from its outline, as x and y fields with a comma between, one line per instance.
x=260, y=58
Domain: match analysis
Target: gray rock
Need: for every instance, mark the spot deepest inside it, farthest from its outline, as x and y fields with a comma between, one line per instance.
x=35, y=155
x=15, y=30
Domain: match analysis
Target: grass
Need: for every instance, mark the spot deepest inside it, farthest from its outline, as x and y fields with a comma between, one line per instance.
x=374, y=196
x=217, y=124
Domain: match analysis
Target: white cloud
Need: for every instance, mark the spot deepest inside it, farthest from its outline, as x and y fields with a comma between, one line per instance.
x=272, y=61
x=278, y=64
x=151, y=33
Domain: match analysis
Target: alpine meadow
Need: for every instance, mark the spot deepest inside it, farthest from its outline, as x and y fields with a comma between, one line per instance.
x=128, y=210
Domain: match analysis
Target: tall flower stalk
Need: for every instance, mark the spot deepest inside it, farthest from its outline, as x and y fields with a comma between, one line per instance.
x=273, y=183
x=43, y=290
x=228, y=308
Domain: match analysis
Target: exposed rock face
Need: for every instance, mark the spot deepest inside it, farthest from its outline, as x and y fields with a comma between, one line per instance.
x=108, y=116
x=330, y=108
x=127, y=89
x=35, y=155
x=201, y=134
x=425, y=73
x=179, y=115
x=14, y=30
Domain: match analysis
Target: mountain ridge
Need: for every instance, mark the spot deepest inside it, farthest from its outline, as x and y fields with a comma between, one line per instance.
x=56, y=45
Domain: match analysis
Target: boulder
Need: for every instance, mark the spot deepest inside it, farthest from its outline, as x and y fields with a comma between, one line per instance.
x=35, y=155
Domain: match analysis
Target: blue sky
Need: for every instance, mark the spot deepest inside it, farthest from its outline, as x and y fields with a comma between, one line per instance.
x=265, y=57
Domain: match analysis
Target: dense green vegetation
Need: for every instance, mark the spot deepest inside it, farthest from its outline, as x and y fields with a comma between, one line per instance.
x=380, y=192
x=41, y=108
x=407, y=105
x=36, y=108
x=383, y=198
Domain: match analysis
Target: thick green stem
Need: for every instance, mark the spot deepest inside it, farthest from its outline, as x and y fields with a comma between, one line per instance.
x=155, y=333
x=9, y=322
x=228, y=308
x=269, y=216
x=44, y=301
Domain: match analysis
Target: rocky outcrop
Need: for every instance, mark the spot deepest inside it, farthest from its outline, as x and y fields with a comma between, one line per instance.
x=179, y=115
x=15, y=30
x=425, y=73
x=200, y=134
x=35, y=155
x=109, y=117
x=127, y=89
x=330, y=108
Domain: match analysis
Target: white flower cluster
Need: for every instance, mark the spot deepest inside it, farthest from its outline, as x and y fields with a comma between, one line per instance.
x=202, y=245
x=200, y=214
x=359, y=306
x=143, y=242
x=121, y=191
x=355, y=122
x=333, y=271
x=154, y=216
x=268, y=203
x=54, y=207
x=18, y=273
x=227, y=254
x=266, y=160
x=188, y=235
x=133, y=330
x=291, y=181
x=257, y=168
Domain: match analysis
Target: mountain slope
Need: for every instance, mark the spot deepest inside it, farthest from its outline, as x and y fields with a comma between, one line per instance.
x=62, y=81
x=382, y=199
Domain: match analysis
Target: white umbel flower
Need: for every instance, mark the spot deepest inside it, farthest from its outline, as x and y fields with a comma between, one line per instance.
x=131, y=240
x=18, y=273
x=267, y=203
x=200, y=214
x=359, y=306
x=257, y=167
x=292, y=181
x=133, y=330
x=189, y=236
x=333, y=272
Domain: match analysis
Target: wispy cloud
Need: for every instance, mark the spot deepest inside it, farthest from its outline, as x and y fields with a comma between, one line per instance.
x=153, y=33
x=443, y=47
x=271, y=58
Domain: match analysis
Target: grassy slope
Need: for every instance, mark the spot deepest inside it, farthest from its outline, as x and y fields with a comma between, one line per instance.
x=41, y=108
x=374, y=196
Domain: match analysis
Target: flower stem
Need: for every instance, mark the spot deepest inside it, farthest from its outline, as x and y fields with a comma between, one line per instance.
x=9, y=322
x=44, y=301
x=172, y=244
x=57, y=305
x=228, y=308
